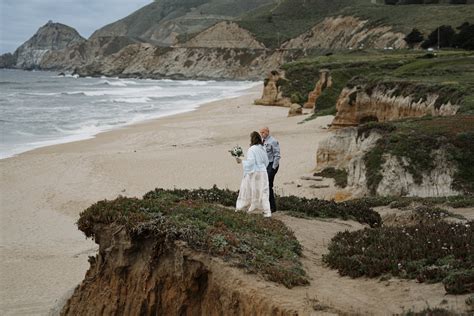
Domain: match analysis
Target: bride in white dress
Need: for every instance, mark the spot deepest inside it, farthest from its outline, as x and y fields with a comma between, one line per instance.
x=254, y=189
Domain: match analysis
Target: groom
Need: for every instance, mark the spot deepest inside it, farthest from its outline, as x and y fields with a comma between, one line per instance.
x=273, y=152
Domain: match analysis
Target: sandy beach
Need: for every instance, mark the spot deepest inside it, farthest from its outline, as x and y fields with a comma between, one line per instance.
x=43, y=255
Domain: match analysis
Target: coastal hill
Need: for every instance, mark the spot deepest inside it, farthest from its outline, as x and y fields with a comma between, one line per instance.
x=165, y=22
x=239, y=39
x=49, y=37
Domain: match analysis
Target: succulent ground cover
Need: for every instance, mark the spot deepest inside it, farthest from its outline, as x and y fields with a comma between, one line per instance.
x=432, y=250
x=315, y=208
x=456, y=201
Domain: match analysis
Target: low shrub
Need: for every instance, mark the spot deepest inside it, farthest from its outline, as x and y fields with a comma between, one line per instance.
x=458, y=201
x=430, y=251
x=329, y=209
x=437, y=311
x=460, y=282
x=339, y=176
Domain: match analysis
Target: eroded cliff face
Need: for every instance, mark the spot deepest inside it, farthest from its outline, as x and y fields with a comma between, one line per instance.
x=142, y=276
x=397, y=181
x=347, y=32
x=346, y=149
x=145, y=60
x=50, y=37
x=325, y=81
x=224, y=35
x=81, y=54
x=382, y=102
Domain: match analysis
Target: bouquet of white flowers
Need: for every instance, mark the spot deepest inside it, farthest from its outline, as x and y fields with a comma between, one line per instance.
x=237, y=152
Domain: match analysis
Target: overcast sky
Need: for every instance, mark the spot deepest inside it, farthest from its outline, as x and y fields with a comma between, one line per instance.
x=20, y=19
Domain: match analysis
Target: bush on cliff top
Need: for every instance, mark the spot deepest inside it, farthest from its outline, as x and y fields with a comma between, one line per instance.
x=259, y=245
x=431, y=251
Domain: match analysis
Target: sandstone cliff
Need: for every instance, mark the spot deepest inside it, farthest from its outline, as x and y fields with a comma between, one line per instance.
x=145, y=60
x=346, y=149
x=50, y=37
x=387, y=101
x=347, y=32
x=143, y=277
x=272, y=94
x=325, y=81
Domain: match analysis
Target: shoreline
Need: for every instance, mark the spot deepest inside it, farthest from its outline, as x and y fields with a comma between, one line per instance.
x=44, y=190
x=81, y=136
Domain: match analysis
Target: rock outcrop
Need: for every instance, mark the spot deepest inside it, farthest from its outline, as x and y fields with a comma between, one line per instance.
x=347, y=32
x=143, y=277
x=7, y=60
x=360, y=103
x=295, y=110
x=325, y=81
x=50, y=37
x=272, y=94
x=346, y=148
x=224, y=35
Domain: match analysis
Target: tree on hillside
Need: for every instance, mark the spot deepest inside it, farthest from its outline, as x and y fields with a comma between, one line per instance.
x=414, y=37
x=446, y=36
x=465, y=38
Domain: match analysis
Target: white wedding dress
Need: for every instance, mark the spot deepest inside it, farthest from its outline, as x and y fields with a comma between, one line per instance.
x=254, y=189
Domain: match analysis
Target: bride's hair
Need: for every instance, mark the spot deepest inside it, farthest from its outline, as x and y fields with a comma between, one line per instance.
x=255, y=139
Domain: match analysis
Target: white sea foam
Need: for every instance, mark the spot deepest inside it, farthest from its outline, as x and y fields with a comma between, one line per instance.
x=112, y=83
x=132, y=100
x=194, y=82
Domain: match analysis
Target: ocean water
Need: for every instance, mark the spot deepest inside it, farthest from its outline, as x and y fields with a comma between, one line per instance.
x=39, y=109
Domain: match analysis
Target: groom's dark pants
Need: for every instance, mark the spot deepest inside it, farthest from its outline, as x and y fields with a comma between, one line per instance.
x=271, y=176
